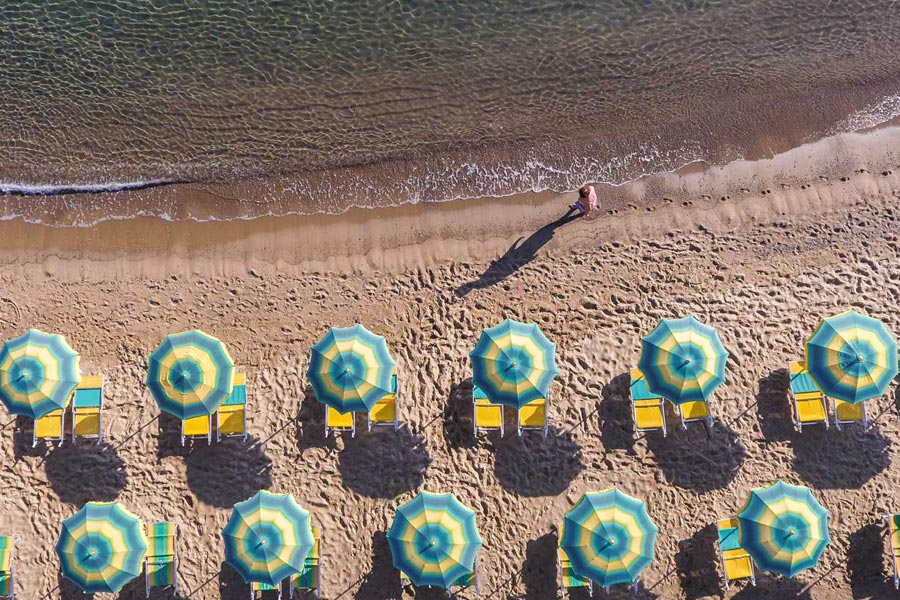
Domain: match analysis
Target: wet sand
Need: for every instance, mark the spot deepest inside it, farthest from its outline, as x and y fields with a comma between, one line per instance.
x=758, y=250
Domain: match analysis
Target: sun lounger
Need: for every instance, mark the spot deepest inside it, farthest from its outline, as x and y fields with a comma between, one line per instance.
x=810, y=404
x=736, y=562
x=7, y=567
x=385, y=410
x=256, y=589
x=231, y=418
x=197, y=427
x=310, y=578
x=50, y=427
x=647, y=409
x=893, y=525
x=848, y=412
x=335, y=421
x=695, y=411
x=567, y=577
x=534, y=416
x=87, y=409
x=467, y=581
x=487, y=415
x=161, y=562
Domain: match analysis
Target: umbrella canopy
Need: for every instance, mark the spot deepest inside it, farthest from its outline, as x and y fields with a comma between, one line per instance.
x=101, y=547
x=350, y=369
x=38, y=372
x=190, y=374
x=267, y=538
x=852, y=357
x=683, y=360
x=784, y=528
x=514, y=363
x=609, y=537
x=434, y=539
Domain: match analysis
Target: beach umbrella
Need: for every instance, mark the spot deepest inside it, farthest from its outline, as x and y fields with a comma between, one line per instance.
x=38, y=372
x=852, y=357
x=101, y=547
x=350, y=369
x=683, y=360
x=784, y=528
x=267, y=538
x=609, y=537
x=434, y=539
x=190, y=374
x=513, y=363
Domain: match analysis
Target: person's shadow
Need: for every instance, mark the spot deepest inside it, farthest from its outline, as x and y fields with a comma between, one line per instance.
x=518, y=255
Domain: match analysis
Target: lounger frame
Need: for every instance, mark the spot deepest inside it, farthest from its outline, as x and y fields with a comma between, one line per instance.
x=838, y=422
x=722, y=563
x=62, y=430
x=12, y=567
x=317, y=591
x=895, y=553
x=795, y=409
x=99, y=435
x=478, y=429
x=243, y=435
x=708, y=418
x=396, y=424
x=257, y=587
x=332, y=429
x=174, y=561
x=208, y=435
x=543, y=428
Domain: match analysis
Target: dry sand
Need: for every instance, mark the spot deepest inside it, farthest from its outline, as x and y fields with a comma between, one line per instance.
x=817, y=231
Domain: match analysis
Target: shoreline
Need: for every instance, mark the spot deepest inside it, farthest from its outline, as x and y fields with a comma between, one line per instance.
x=831, y=171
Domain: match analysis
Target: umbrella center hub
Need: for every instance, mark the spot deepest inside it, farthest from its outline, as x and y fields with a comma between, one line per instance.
x=432, y=542
x=26, y=374
x=347, y=370
x=860, y=358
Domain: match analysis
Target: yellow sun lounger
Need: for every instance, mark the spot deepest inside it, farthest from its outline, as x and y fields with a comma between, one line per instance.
x=534, y=415
x=161, y=562
x=647, y=409
x=7, y=567
x=310, y=577
x=335, y=421
x=893, y=525
x=87, y=409
x=567, y=577
x=385, y=410
x=810, y=404
x=694, y=411
x=197, y=427
x=231, y=418
x=848, y=412
x=50, y=427
x=736, y=562
x=487, y=415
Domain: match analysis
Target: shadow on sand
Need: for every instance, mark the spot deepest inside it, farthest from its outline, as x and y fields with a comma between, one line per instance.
x=697, y=564
x=383, y=580
x=522, y=252
x=534, y=466
x=865, y=558
x=773, y=405
x=616, y=423
x=311, y=424
x=457, y=417
x=231, y=585
x=539, y=570
x=69, y=467
x=228, y=472
x=399, y=458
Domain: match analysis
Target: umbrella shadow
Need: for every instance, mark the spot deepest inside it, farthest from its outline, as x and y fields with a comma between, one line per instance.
x=846, y=459
x=22, y=439
x=774, y=588
x=231, y=584
x=696, y=564
x=539, y=573
x=865, y=566
x=228, y=472
x=519, y=254
x=384, y=464
x=382, y=580
x=69, y=591
x=697, y=460
x=86, y=472
x=534, y=466
x=457, y=417
x=616, y=421
x=311, y=424
x=773, y=405
x=168, y=439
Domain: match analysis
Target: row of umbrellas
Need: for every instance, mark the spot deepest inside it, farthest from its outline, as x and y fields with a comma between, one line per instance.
x=608, y=536
x=851, y=356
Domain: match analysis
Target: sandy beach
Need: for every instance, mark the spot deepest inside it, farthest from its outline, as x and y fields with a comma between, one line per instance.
x=760, y=250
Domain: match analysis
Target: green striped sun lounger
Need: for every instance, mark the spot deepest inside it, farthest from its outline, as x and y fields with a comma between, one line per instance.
x=161, y=563
x=309, y=578
x=7, y=570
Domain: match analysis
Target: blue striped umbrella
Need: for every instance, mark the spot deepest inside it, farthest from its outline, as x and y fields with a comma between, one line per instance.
x=514, y=363
x=38, y=372
x=784, y=528
x=434, y=540
x=350, y=369
x=683, y=360
x=852, y=357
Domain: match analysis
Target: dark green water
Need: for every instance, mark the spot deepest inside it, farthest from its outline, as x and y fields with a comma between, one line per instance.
x=373, y=102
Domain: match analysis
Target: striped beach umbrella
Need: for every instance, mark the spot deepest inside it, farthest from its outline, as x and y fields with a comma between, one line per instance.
x=101, y=547
x=350, y=369
x=190, y=374
x=513, y=363
x=784, y=528
x=434, y=540
x=38, y=372
x=267, y=538
x=852, y=357
x=683, y=360
x=609, y=537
